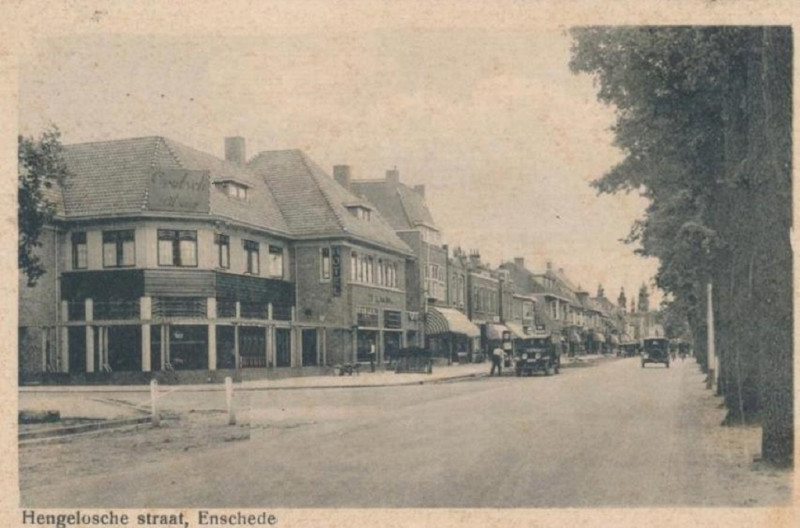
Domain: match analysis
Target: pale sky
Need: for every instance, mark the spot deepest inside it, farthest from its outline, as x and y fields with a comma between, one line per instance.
x=504, y=137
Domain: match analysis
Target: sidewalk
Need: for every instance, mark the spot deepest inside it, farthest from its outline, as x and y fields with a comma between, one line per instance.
x=363, y=379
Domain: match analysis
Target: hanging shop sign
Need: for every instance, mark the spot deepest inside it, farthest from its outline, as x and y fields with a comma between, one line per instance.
x=336, y=271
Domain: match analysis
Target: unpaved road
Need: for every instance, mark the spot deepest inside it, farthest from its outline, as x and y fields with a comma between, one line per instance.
x=612, y=435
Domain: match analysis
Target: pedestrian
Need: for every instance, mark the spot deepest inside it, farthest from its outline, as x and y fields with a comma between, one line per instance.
x=497, y=361
x=372, y=357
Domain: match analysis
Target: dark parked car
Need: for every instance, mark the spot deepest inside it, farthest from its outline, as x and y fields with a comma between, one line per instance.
x=655, y=350
x=538, y=354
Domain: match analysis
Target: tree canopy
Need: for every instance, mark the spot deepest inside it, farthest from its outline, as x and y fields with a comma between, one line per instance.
x=40, y=168
x=704, y=122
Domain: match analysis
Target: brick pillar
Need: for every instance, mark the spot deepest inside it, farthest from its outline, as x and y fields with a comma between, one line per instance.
x=89, y=335
x=145, y=314
x=211, y=306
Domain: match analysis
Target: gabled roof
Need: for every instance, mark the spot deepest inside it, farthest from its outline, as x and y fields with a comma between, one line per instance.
x=313, y=204
x=402, y=207
x=111, y=178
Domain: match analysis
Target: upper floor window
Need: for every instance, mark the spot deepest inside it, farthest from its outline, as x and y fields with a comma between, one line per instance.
x=325, y=263
x=275, y=261
x=79, y=251
x=367, y=270
x=119, y=249
x=233, y=189
x=251, y=257
x=361, y=212
x=177, y=248
x=222, y=243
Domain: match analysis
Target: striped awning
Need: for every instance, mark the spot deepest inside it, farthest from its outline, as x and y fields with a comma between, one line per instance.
x=448, y=320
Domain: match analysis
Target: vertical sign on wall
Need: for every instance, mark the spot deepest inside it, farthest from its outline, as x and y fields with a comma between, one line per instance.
x=336, y=271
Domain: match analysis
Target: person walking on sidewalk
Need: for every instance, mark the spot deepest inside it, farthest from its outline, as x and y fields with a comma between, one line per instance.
x=372, y=357
x=497, y=361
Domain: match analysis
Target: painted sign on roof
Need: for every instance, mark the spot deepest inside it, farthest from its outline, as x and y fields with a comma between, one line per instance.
x=178, y=190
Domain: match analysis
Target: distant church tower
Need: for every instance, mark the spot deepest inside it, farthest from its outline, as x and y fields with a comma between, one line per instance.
x=622, y=301
x=644, y=299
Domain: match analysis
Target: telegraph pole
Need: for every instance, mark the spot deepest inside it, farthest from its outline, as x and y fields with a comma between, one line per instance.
x=711, y=380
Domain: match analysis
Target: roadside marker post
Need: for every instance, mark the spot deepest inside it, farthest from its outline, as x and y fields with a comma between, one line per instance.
x=156, y=419
x=229, y=401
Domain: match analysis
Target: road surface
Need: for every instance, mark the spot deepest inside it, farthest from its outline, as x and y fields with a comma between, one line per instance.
x=611, y=435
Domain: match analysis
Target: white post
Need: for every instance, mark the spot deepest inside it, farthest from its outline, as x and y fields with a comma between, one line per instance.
x=229, y=400
x=712, y=355
x=156, y=419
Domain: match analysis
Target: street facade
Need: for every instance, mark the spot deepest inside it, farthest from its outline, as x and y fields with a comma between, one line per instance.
x=164, y=261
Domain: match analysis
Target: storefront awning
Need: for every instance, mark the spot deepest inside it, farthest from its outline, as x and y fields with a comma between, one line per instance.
x=444, y=320
x=517, y=331
x=495, y=331
x=574, y=337
x=600, y=338
x=614, y=340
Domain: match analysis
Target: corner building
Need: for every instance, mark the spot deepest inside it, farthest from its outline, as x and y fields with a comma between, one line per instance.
x=164, y=259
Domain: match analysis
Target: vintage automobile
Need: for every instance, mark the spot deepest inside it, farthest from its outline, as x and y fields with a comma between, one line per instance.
x=655, y=350
x=539, y=353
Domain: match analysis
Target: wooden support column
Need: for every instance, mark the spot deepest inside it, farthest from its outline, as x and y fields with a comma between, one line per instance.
x=89, y=335
x=211, y=308
x=145, y=313
x=64, y=337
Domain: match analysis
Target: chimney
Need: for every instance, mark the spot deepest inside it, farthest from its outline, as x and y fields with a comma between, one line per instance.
x=519, y=262
x=561, y=271
x=393, y=175
x=234, y=150
x=341, y=173
x=549, y=266
x=420, y=190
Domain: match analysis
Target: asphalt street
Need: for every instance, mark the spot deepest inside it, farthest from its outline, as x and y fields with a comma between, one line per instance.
x=611, y=435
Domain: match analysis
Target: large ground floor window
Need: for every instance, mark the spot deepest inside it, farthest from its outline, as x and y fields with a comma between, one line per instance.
x=283, y=347
x=252, y=347
x=367, y=345
x=188, y=347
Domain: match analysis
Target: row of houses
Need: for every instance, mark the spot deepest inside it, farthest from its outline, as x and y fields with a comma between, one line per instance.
x=163, y=258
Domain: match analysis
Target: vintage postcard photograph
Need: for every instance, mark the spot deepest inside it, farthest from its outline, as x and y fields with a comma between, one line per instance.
x=280, y=262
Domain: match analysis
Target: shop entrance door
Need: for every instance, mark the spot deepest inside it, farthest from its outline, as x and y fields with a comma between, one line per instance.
x=310, y=347
x=283, y=347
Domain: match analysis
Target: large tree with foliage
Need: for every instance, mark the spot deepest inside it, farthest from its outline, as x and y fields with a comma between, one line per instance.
x=704, y=120
x=40, y=168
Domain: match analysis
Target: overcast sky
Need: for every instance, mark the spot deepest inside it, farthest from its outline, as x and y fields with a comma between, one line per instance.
x=504, y=137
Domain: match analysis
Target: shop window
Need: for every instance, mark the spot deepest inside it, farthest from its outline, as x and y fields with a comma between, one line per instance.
x=251, y=254
x=367, y=316
x=177, y=248
x=222, y=243
x=119, y=249
x=392, y=319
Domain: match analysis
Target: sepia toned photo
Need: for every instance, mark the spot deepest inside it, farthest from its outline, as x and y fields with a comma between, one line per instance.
x=402, y=267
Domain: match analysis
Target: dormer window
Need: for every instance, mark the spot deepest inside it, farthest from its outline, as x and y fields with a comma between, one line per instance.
x=360, y=211
x=233, y=188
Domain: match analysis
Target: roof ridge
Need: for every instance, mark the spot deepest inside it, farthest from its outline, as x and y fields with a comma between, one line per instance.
x=404, y=208
x=99, y=141
x=158, y=140
x=327, y=198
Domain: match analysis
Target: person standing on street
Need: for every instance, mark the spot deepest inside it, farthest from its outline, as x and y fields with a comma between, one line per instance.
x=372, y=357
x=497, y=361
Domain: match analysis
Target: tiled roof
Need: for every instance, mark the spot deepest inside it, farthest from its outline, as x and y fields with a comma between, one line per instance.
x=313, y=204
x=111, y=177
x=401, y=206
